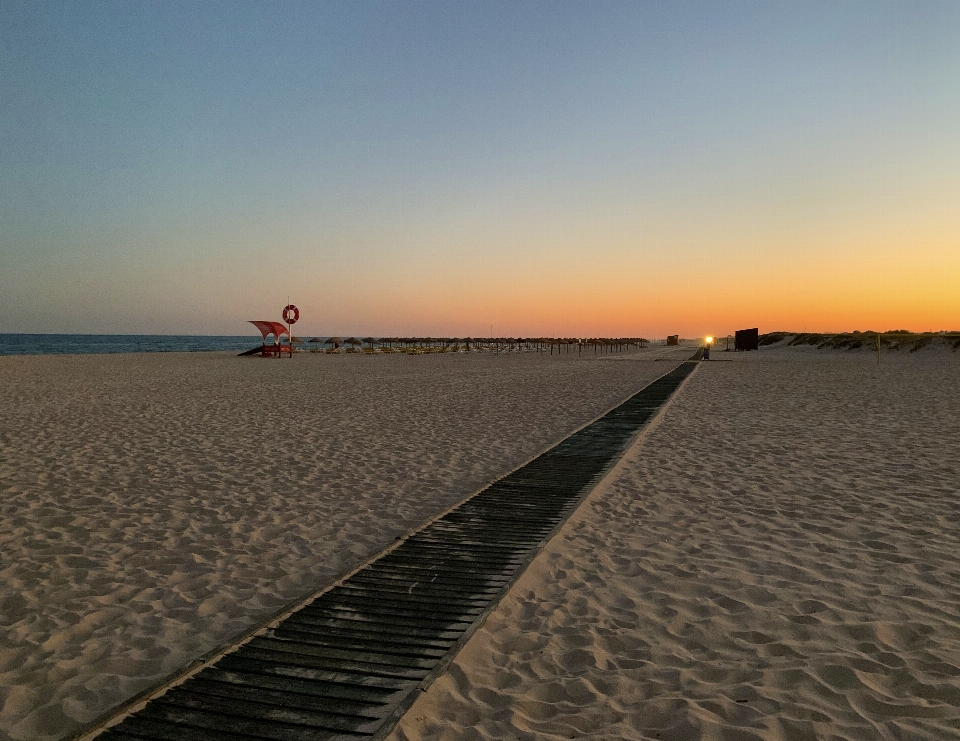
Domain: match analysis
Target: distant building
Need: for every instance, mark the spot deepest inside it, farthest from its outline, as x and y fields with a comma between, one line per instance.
x=673, y=339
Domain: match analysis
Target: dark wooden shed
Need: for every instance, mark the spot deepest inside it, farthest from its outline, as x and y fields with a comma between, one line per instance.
x=747, y=339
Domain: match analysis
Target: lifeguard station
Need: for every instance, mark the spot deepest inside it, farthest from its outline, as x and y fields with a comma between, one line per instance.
x=276, y=348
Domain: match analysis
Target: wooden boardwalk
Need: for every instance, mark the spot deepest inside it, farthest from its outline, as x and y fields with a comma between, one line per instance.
x=348, y=664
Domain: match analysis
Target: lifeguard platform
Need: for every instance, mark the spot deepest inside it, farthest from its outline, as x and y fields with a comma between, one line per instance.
x=275, y=349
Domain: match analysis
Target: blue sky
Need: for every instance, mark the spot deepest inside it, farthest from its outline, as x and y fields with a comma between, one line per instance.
x=435, y=168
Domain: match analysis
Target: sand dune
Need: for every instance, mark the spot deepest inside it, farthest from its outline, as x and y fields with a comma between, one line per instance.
x=776, y=559
x=153, y=506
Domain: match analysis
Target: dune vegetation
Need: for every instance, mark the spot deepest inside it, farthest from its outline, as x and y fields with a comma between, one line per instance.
x=897, y=339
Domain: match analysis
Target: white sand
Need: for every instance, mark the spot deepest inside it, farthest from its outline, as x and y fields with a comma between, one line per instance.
x=776, y=559
x=149, y=510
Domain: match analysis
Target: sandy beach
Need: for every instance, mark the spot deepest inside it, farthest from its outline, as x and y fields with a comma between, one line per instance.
x=199, y=546
x=775, y=559
x=153, y=506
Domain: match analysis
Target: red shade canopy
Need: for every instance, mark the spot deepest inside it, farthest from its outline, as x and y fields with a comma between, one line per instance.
x=268, y=328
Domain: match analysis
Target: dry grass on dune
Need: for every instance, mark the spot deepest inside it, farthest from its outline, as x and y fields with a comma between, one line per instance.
x=895, y=340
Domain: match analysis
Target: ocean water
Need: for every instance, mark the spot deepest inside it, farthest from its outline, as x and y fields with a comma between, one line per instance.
x=79, y=344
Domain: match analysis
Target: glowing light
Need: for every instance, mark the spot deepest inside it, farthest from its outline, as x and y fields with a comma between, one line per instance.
x=709, y=340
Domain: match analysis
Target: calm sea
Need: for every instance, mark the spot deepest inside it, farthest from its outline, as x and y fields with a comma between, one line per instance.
x=76, y=344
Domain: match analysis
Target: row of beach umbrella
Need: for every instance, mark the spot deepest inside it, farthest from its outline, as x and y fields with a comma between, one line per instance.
x=337, y=341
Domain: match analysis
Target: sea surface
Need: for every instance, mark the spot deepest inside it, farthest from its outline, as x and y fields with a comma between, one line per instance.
x=100, y=344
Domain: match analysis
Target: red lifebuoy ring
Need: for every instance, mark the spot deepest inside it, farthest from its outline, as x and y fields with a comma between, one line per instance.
x=290, y=314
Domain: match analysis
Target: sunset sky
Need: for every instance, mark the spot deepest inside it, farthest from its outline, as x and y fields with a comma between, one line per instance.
x=534, y=168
